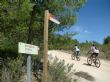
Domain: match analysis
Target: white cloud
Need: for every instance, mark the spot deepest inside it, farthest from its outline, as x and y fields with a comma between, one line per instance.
x=86, y=31
x=79, y=29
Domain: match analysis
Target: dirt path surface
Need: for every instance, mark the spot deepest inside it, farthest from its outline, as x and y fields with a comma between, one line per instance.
x=84, y=72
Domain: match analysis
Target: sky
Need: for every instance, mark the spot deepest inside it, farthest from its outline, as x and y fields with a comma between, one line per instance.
x=93, y=23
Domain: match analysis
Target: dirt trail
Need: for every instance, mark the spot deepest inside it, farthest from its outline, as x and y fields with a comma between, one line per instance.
x=84, y=72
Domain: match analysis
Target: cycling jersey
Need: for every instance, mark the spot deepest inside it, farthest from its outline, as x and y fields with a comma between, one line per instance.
x=93, y=49
x=76, y=48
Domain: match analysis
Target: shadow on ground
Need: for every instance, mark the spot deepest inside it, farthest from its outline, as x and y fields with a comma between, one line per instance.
x=86, y=64
x=85, y=75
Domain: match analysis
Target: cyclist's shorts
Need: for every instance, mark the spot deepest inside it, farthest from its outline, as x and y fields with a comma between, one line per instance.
x=95, y=54
x=77, y=52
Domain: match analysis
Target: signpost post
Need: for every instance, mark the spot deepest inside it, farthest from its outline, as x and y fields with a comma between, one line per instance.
x=28, y=79
x=45, y=62
x=28, y=49
x=48, y=17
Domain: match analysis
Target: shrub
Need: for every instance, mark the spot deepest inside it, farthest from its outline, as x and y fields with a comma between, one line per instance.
x=60, y=72
x=12, y=70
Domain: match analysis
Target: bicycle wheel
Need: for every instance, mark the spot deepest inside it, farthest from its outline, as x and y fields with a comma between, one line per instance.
x=78, y=58
x=89, y=60
x=97, y=63
x=73, y=57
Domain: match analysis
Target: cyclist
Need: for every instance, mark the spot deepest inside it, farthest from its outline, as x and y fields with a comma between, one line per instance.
x=94, y=50
x=94, y=56
x=77, y=50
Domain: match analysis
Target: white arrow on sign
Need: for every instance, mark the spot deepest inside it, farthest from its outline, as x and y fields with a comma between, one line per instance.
x=27, y=48
x=53, y=19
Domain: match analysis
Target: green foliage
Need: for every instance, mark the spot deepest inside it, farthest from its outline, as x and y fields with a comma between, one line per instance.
x=22, y=20
x=106, y=47
x=14, y=16
x=7, y=44
x=60, y=72
x=12, y=70
x=107, y=40
x=65, y=42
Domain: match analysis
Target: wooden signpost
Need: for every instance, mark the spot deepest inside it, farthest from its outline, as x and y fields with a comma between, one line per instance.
x=45, y=61
x=48, y=17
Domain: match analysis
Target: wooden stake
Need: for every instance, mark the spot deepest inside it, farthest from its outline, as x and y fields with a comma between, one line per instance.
x=45, y=61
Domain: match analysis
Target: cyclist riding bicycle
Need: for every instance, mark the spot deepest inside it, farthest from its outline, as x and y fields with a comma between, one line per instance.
x=94, y=56
x=77, y=50
x=94, y=50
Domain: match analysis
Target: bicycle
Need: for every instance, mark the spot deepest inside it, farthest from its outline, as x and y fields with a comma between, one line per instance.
x=74, y=55
x=95, y=60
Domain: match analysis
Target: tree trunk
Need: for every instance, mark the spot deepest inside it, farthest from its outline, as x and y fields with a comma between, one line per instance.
x=30, y=28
